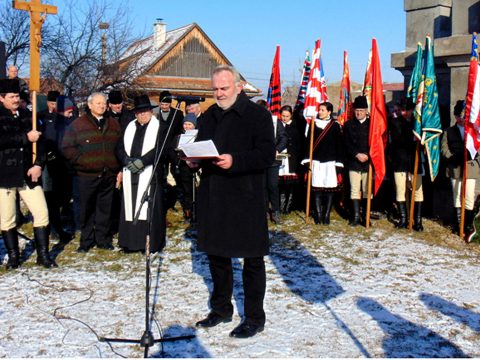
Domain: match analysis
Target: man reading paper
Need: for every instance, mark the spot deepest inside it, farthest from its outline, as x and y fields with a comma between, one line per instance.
x=231, y=206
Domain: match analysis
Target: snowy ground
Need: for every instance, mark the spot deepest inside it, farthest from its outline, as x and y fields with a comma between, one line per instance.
x=330, y=293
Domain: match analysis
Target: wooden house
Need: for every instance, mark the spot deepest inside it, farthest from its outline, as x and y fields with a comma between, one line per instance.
x=180, y=61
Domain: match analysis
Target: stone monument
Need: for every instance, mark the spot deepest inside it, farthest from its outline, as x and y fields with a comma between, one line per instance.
x=451, y=24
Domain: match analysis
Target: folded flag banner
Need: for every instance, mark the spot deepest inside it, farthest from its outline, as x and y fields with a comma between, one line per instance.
x=427, y=126
x=274, y=97
x=472, y=103
x=345, y=104
x=316, y=88
x=367, y=82
x=378, y=119
x=304, y=82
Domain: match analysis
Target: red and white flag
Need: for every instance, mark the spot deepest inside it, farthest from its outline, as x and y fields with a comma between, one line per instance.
x=472, y=103
x=316, y=89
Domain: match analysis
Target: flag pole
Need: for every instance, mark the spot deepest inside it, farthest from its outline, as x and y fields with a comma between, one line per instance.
x=309, y=177
x=463, y=192
x=414, y=187
x=369, y=196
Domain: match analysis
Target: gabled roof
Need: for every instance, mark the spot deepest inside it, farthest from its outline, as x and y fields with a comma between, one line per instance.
x=146, y=56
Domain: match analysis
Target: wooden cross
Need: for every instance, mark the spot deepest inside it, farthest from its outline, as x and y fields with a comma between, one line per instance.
x=38, y=13
x=36, y=9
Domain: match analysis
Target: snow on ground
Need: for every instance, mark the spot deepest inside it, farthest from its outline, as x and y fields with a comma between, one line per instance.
x=372, y=293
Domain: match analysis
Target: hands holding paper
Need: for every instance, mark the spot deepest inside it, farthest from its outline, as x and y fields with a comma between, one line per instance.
x=224, y=161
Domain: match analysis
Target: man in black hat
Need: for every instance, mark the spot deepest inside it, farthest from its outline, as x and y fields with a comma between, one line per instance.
x=117, y=109
x=193, y=107
x=56, y=181
x=89, y=144
x=356, y=132
x=21, y=174
x=402, y=148
x=170, y=116
x=137, y=151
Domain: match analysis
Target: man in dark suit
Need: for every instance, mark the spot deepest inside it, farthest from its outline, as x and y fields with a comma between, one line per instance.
x=231, y=200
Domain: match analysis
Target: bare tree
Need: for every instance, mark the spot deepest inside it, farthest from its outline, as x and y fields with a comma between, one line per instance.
x=74, y=57
x=15, y=32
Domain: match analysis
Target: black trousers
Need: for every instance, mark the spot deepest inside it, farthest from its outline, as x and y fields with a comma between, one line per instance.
x=254, y=285
x=96, y=195
x=272, y=193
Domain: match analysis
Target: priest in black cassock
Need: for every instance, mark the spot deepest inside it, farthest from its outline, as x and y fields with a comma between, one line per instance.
x=137, y=152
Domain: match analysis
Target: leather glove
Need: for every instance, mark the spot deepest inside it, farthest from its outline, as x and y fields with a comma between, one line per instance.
x=135, y=166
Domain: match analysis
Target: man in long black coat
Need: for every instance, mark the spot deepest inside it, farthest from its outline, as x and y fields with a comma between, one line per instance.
x=231, y=206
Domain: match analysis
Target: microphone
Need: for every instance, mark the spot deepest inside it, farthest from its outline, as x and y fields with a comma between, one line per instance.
x=192, y=99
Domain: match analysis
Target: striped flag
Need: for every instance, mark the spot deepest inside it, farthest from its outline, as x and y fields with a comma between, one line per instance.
x=377, y=138
x=367, y=82
x=274, y=97
x=345, y=104
x=316, y=88
x=472, y=103
x=304, y=82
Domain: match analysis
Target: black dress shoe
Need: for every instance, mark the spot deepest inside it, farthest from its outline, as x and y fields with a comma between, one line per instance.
x=83, y=249
x=245, y=330
x=213, y=319
x=105, y=246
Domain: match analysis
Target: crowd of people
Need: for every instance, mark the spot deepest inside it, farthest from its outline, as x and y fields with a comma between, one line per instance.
x=110, y=170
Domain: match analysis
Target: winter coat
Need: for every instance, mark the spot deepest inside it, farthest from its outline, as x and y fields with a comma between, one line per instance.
x=294, y=146
x=453, y=150
x=123, y=118
x=90, y=148
x=16, y=150
x=402, y=146
x=356, y=141
x=231, y=203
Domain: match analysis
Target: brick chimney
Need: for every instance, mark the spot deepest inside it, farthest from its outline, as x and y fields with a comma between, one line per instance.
x=159, y=33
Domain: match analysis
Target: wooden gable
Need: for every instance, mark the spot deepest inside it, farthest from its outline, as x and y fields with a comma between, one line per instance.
x=194, y=56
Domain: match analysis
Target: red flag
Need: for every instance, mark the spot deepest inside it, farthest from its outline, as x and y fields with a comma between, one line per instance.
x=367, y=82
x=345, y=104
x=274, y=97
x=378, y=120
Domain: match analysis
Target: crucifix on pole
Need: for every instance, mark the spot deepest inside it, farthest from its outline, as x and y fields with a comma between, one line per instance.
x=38, y=13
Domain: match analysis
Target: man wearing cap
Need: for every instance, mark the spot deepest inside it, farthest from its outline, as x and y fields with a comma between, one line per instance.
x=13, y=74
x=169, y=115
x=356, y=133
x=89, y=145
x=117, y=110
x=402, y=148
x=137, y=151
x=21, y=174
x=193, y=106
x=453, y=149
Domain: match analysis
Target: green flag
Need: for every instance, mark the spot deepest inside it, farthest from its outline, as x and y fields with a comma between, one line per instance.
x=427, y=127
x=415, y=91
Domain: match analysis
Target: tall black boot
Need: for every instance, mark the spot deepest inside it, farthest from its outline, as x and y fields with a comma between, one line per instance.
x=41, y=242
x=356, y=213
x=468, y=226
x=328, y=208
x=10, y=238
x=402, y=209
x=417, y=219
x=319, y=206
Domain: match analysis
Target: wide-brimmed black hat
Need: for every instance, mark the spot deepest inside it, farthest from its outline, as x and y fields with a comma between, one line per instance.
x=115, y=97
x=142, y=102
x=360, y=102
x=165, y=97
x=9, y=86
x=52, y=95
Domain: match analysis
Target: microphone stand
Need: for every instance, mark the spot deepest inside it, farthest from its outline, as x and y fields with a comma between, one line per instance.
x=147, y=340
